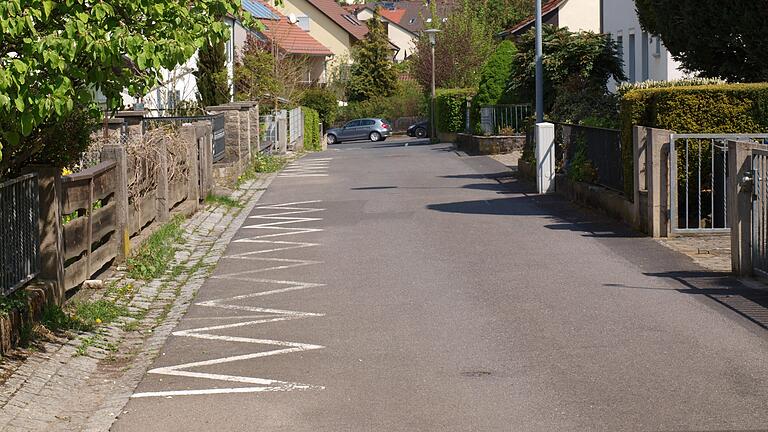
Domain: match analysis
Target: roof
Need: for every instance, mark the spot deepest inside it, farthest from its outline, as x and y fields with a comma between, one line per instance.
x=408, y=14
x=395, y=15
x=290, y=38
x=344, y=19
x=547, y=8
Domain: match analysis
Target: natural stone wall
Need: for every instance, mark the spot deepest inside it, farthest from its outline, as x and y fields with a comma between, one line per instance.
x=485, y=145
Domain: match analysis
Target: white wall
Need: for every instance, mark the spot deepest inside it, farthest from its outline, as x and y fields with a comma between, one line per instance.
x=621, y=22
x=580, y=15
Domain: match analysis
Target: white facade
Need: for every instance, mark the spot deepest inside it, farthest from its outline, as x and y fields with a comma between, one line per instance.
x=580, y=15
x=645, y=56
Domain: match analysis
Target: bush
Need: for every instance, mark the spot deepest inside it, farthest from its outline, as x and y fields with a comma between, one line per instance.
x=324, y=102
x=451, y=109
x=493, y=79
x=311, y=129
x=407, y=101
x=731, y=108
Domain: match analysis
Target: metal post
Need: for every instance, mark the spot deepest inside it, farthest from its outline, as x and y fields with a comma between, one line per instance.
x=433, y=126
x=539, y=67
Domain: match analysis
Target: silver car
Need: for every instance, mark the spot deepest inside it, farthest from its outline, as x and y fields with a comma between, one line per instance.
x=368, y=128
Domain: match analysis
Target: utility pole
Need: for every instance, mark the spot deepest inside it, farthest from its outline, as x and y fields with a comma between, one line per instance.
x=432, y=33
x=539, y=67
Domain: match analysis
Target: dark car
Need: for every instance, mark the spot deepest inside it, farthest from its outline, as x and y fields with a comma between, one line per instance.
x=419, y=130
x=367, y=128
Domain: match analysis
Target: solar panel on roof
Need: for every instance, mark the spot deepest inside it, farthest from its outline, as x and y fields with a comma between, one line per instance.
x=258, y=10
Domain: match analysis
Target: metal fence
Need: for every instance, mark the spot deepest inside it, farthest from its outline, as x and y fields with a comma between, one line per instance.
x=760, y=212
x=19, y=235
x=496, y=118
x=295, y=125
x=698, y=181
x=268, y=132
x=217, y=125
x=601, y=148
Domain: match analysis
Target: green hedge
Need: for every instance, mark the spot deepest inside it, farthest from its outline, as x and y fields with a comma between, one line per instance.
x=451, y=109
x=311, y=129
x=730, y=108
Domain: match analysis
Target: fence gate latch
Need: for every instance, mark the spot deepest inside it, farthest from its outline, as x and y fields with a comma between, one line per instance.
x=748, y=180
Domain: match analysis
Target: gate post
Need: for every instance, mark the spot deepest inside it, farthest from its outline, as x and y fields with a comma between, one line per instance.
x=739, y=197
x=545, y=157
x=658, y=181
x=639, y=144
x=117, y=153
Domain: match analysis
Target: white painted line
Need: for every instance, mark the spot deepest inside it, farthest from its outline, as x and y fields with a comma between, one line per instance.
x=257, y=314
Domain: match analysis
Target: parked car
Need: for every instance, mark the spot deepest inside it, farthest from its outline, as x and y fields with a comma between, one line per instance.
x=419, y=130
x=368, y=128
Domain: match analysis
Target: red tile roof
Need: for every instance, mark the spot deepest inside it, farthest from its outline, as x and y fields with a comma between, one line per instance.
x=393, y=15
x=546, y=8
x=346, y=20
x=290, y=38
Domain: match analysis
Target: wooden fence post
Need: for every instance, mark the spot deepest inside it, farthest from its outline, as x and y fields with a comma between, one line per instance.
x=163, y=213
x=189, y=134
x=118, y=154
x=49, y=225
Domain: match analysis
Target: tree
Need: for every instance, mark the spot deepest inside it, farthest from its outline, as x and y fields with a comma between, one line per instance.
x=502, y=14
x=716, y=39
x=54, y=55
x=461, y=49
x=372, y=73
x=212, y=79
x=493, y=78
x=588, y=57
x=255, y=73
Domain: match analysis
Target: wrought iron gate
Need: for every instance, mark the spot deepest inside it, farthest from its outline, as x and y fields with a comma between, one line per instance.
x=698, y=181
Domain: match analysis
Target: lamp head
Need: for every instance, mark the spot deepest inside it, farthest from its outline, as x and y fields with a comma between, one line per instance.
x=432, y=33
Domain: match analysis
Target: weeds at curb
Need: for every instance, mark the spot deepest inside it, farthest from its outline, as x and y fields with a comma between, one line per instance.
x=223, y=201
x=156, y=253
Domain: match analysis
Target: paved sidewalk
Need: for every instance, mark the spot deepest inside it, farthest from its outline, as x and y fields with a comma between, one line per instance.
x=83, y=383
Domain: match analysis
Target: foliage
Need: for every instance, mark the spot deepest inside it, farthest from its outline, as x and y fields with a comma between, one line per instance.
x=55, y=319
x=157, y=252
x=211, y=74
x=18, y=300
x=255, y=78
x=407, y=101
x=93, y=313
x=731, y=108
x=593, y=58
x=267, y=163
x=372, y=73
x=324, y=102
x=311, y=129
x=451, y=109
x=54, y=54
x=580, y=168
x=578, y=103
x=719, y=40
x=461, y=49
x=493, y=78
x=502, y=14
x=625, y=87
x=223, y=201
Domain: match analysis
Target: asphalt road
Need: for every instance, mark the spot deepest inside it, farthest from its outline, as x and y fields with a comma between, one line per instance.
x=384, y=287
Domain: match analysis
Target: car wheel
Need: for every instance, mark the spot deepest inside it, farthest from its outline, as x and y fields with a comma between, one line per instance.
x=331, y=139
x=375, y=136
x=421, y=133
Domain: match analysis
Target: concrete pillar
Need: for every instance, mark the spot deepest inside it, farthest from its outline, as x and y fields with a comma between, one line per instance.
x=50, y=229
x=545, y=158
x=639, y=143
x=255, y=129
x=118, y=154
x=282, y=134
x=189, y=134
x=740, y=196
x=657, y=181
x=133, y=121
x=163, y=213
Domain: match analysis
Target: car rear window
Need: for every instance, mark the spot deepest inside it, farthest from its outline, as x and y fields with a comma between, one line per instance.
x=369, y=122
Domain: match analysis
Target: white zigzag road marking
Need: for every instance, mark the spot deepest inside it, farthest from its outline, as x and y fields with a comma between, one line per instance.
x=257, y=314
x=307, y=168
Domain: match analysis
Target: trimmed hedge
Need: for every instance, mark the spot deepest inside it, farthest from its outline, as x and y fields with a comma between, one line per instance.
x=451, y=108
x=311, y=129
x=730, y=108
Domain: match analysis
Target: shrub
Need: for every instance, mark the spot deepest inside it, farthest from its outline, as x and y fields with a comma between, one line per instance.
x=493, y=78
x=451, y=108
x=731, y=108
x=324, y=102
x=311, y=129
x=407, y=101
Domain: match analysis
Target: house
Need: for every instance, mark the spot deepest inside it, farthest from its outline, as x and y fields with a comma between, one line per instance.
x=576, y=15
x=329, y=24
x=645, y=56
x=179, y=86
x=403, y=39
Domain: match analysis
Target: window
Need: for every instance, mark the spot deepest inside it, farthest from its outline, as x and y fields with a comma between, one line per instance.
x=353, y=123
x=303, y=23
x=620, y=43
x=632, y=59
x=658, y=47
x=368, y=123
x=645, y=59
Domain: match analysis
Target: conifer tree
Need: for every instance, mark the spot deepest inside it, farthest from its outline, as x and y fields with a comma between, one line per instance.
x=211, y=74
x=372, y=73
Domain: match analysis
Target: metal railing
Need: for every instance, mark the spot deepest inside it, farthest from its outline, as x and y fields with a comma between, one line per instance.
x=495, y=118
x=19, y=235
x=601, y=147
x=217, y=126
x=295, y=125
x=760, y=212
x=698, y=181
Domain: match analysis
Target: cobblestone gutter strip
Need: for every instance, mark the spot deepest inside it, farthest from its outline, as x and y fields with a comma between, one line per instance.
x=83, y=383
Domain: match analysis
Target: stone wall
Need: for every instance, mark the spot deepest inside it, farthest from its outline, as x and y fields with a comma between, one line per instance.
x=486, y=145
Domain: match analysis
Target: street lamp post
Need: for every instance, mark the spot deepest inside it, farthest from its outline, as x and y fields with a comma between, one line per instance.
x=539, y=67
x=432, y=126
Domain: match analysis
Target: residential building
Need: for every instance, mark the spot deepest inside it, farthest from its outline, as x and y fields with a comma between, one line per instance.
x=576, y=15
x=399, y=36
x=645, y=56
